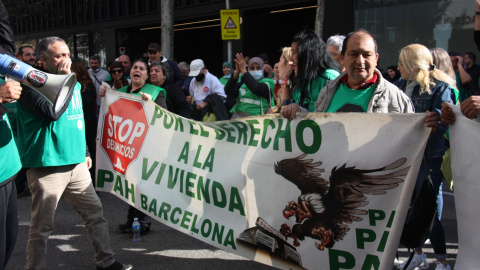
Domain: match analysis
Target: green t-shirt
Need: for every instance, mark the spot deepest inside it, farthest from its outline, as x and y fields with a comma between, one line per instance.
x=313, y=89
x=351, y=100
x=252, y=104
x=9, y=157
x=43, y=142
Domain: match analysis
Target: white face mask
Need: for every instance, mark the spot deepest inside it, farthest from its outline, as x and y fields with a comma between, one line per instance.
x=256, y=74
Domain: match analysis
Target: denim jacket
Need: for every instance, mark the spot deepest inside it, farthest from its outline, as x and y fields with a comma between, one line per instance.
x=440, y=93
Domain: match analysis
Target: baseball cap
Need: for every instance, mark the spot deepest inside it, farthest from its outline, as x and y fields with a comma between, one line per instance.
x=195, y=67
x=154, y=47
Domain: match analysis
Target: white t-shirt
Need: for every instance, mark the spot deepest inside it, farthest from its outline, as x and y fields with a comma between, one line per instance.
x=211, y=85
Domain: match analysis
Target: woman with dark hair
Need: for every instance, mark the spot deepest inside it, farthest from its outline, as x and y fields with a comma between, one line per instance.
x=89, y=103
x=141, y=86
x=175, y=99
x=313, y=66
x=117, y=77
x=392, y=74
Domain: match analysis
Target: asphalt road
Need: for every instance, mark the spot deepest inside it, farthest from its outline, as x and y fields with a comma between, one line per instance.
x=69, y=247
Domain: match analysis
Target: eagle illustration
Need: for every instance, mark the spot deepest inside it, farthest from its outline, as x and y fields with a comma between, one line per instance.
x=324, y=208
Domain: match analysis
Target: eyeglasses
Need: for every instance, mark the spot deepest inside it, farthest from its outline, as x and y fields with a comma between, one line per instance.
x=152, y=52
x=117, y=71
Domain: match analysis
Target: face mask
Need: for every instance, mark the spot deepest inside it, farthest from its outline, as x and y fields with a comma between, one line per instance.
x=227, y=76
x=256, y=74
x=200, y=77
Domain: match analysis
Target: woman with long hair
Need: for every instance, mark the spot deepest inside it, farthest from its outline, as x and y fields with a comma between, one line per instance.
x=89, y=104
x=441, y=59
x=313, y=66
x=428, y=87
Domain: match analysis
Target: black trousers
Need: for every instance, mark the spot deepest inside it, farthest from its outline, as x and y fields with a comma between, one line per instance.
x=8, y=221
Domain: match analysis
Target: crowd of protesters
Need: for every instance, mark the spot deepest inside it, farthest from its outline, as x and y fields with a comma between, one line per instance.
x=341, y=75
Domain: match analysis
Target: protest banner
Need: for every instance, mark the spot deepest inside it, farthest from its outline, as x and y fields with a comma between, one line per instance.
x=324, y=191
x=464, y=146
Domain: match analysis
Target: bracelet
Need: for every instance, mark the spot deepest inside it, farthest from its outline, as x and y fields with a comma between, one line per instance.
x=284, y=85
x=477, y=12
x=283, y=82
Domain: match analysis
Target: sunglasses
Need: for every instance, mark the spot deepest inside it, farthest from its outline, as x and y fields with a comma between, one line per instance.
x=117, y=71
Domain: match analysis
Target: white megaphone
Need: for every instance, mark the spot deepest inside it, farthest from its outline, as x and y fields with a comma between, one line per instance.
x=57, y=89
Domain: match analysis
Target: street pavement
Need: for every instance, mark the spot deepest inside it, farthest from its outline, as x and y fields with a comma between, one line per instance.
x=69, y=247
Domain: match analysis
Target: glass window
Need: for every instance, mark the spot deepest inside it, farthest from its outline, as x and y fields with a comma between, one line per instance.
x=447, y=24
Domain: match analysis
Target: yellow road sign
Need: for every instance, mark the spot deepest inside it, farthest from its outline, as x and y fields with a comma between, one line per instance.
x=230, y=24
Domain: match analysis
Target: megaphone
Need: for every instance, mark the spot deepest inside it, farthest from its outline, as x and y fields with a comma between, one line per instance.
x=57, y=89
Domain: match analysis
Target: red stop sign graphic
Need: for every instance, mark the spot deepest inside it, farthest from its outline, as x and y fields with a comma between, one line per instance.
x=124, y=131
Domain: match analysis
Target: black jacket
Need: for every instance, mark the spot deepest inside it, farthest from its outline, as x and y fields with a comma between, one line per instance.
x=176, y=102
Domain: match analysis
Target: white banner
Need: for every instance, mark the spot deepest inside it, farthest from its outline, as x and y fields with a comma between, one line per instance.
x=325, y=191
x=465, y=146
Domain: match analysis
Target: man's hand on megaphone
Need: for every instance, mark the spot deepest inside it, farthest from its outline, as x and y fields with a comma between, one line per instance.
x=64, y=66
x=10, y=91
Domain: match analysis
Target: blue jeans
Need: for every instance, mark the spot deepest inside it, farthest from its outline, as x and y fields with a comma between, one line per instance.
x=440, y=202
x=437, y=235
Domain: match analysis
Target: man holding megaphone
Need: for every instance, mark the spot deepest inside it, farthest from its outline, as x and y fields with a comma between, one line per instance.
x=51, y=142
x=9, y=159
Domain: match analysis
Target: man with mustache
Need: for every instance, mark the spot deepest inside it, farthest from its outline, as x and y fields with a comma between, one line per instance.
x=372, y=92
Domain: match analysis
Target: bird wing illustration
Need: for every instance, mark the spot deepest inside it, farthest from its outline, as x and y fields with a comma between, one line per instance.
x=349, y=186
x=303, y=173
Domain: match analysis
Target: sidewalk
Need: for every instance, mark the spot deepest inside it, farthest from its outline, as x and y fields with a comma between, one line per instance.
x=69, y=247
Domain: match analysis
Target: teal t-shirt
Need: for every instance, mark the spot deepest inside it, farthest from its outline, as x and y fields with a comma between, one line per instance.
x=313, y=89
x=43, y=142
x=351, y=100
x=9, y=157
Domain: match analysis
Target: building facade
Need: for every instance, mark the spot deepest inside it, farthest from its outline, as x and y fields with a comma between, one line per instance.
x=112, y=27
